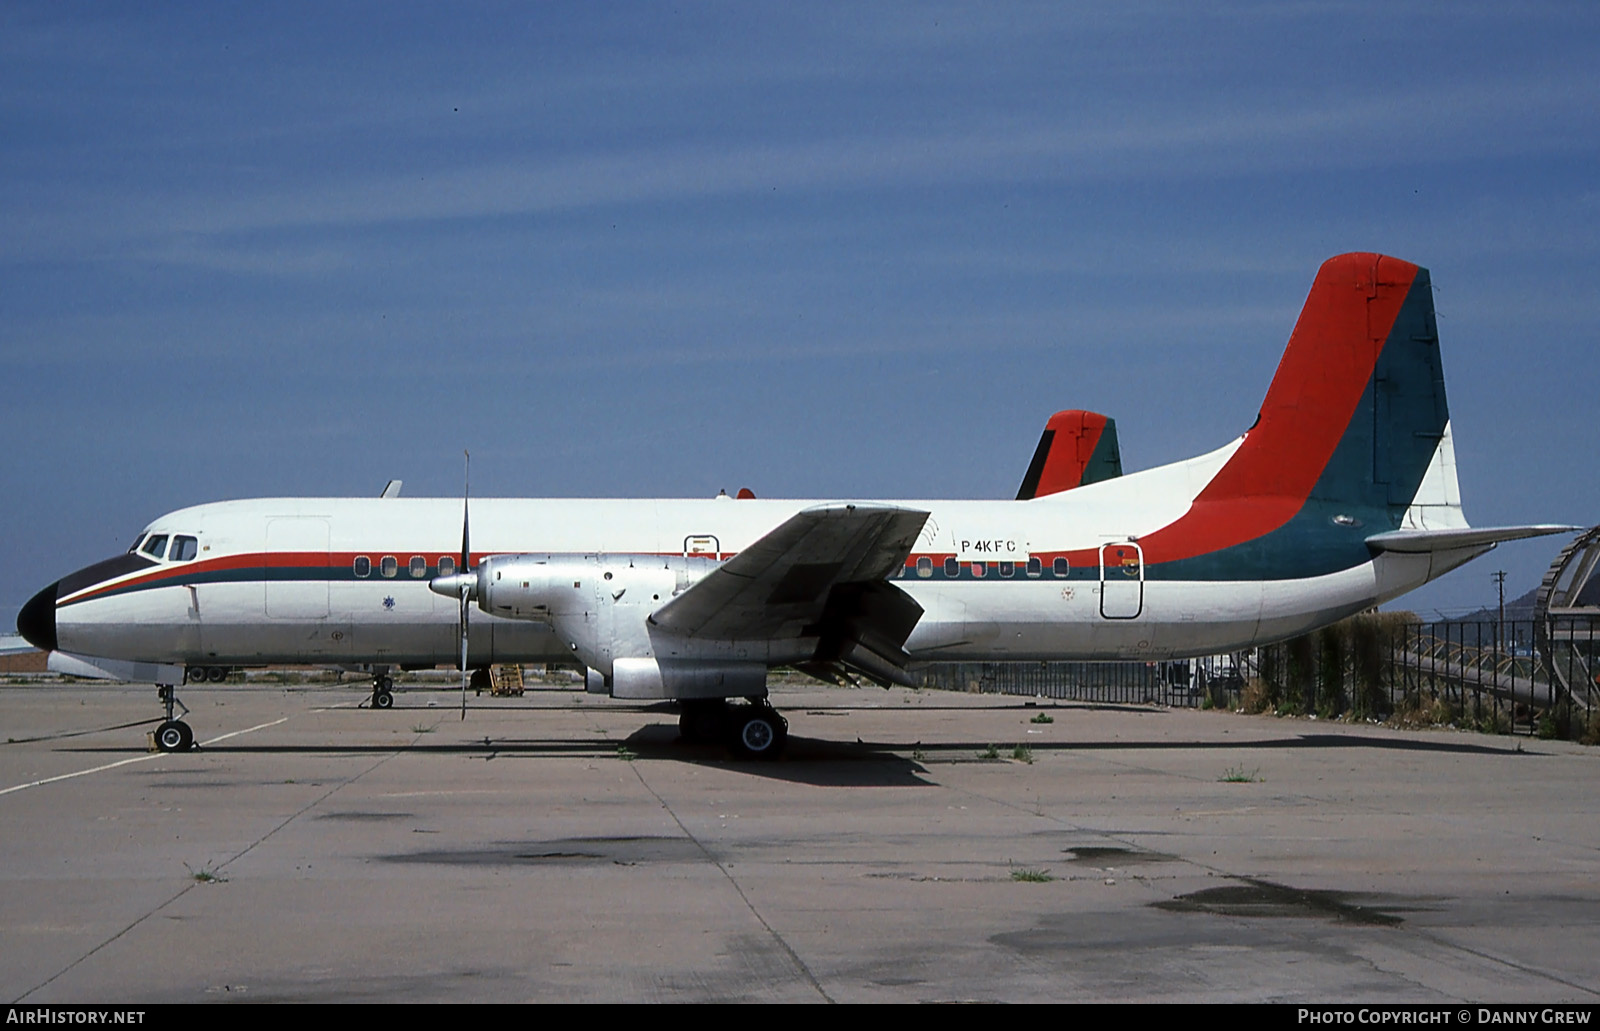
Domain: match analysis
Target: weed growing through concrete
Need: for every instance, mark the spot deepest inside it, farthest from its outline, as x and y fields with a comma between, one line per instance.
x=1022, y=753
x=1240, y=775
x=1043, y=717
x=989, y=753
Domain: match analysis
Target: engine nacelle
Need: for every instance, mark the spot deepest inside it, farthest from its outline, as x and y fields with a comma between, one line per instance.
x=598, y=605
x=536, y=586
x=687, y=678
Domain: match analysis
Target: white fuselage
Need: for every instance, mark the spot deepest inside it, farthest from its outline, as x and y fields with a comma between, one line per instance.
x=276, y=580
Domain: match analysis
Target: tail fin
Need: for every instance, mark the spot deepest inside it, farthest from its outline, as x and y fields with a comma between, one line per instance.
x=1351, y=453
x=1077, y=448
x=1354, y=423
x=1357, y=407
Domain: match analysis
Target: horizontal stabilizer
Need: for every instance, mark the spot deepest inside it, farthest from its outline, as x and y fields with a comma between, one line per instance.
x=1414, y=542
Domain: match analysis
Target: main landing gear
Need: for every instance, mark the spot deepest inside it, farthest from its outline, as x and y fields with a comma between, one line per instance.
x=753, y=731
x=173, y=735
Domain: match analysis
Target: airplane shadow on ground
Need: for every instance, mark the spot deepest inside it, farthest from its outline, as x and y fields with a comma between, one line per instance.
x=824, y=762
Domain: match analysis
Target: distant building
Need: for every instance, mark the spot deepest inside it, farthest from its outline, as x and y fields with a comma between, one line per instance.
x=24, y=662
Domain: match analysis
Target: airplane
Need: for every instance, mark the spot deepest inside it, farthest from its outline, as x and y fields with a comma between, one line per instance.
x=1077, y=448
x=1342, y=495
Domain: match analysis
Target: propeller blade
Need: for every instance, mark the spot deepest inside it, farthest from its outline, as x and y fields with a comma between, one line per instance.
x=465, y=674
x=466, y=492
x=466, y=563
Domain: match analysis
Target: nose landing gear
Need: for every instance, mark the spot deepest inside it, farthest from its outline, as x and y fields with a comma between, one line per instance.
x=173, y=735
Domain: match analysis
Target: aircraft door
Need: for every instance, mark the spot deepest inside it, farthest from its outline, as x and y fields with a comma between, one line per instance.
x=296, y=568
x=1121, y=580
x=702, y=544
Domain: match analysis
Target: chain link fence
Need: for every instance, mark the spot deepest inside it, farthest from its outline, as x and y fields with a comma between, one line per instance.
x=1528, y=676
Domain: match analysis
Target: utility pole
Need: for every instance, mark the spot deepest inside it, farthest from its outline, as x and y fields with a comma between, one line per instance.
x=1499, y=627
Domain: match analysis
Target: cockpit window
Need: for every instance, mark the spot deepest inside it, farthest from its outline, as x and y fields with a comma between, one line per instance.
x=135, y=545
x=156, y=546
x=184, y=549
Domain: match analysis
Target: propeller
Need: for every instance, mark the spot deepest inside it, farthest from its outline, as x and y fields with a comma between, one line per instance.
x=463, y=583
x=466, y=560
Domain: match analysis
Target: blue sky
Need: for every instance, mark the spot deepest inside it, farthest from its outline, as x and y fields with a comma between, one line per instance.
x=854, y=250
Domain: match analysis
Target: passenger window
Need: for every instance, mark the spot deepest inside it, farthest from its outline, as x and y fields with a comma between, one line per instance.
x=1060, y=567
x=184, y=549
x=419, y=567
x=924, y=567
x=952, y=568
x=389, y=565
x=1007, y=568
x=1035, y=567
x=363, y=566
x=447, y=565
x=155, y=547
x=980, y=569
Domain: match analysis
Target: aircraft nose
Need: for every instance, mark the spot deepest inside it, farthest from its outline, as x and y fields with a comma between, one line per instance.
x=37, y=620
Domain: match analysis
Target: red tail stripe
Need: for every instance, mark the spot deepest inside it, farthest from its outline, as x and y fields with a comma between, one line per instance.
x=1347, y=317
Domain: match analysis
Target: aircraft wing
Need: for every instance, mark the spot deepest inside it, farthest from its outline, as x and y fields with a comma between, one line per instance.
x=823, y=573
x=1423, y=541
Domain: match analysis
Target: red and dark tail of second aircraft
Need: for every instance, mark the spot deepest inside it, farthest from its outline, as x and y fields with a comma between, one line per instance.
x=1077, y=448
